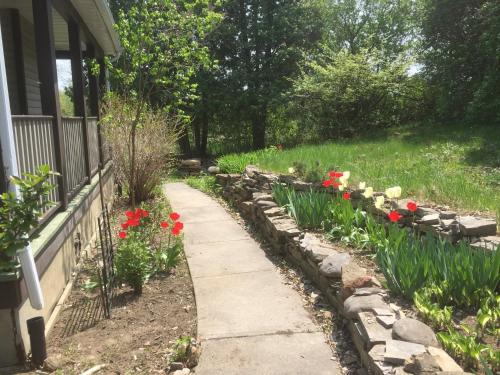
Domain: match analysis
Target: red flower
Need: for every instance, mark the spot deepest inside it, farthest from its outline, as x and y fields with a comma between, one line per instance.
x=122, y=235
x=164, y=224
x=334, y=174
x=134, y=222
x=336, y=184
x=327, y=183
x=124, y=225
x=346, y=196
x=394, y=216
x=178, y=226
x=129, y=214
x=145, y=213
x=412, y=206
x=175, y=216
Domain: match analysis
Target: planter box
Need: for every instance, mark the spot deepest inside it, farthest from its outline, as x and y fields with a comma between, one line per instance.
x=10, y=289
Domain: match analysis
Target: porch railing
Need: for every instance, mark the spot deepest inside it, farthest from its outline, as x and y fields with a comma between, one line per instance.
x=34, y=141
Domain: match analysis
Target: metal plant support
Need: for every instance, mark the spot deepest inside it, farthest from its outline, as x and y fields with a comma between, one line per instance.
x=108, y=270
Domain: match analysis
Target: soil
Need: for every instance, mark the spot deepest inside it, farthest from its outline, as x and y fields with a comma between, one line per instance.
x=140, y=333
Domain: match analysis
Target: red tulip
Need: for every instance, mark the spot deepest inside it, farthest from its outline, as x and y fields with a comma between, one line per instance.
x=412, y=206
x=145, y=213
x=164, y=224
x=336, y=184
x=134, y=222
x=129, y=214
x=122, y=235
x=124, y=225
x=394, y=216
x=175, y=216
x=327, y=183
x=346, y=196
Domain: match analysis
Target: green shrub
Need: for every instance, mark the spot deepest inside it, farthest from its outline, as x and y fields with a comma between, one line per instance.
x=19, y=216
x=133, y=262
x=205, y=184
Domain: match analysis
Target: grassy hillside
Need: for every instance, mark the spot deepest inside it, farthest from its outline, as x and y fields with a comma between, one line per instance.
x=454, y=165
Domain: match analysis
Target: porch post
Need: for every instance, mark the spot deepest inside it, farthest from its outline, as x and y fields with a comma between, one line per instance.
x=94, y=98
x=49, y=91
x=78, y=88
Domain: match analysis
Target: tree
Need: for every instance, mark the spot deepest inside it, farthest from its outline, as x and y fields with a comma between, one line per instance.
x=162, y=43
x=461, y=57
x=258, y=47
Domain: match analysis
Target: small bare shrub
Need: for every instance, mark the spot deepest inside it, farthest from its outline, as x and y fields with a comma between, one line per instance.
x=155, y=138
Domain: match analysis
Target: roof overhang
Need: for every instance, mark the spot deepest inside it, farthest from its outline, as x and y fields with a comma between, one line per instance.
x=99, y=20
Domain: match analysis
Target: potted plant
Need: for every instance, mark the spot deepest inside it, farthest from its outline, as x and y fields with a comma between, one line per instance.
x=19, y=214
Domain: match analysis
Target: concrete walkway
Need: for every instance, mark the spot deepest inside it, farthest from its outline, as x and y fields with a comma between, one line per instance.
x=248, y=320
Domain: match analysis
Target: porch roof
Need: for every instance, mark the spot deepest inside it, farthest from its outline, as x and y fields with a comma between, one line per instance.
x=95, y=14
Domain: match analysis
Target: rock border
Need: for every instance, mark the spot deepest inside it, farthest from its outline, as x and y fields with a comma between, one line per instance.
x=387, y=341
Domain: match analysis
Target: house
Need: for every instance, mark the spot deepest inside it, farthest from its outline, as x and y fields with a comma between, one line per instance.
x=34, y=34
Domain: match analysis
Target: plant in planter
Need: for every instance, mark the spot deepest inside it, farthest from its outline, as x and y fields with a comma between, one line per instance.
x=19, y=215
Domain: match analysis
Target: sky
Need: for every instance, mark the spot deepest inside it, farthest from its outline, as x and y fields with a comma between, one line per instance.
x=63, y=73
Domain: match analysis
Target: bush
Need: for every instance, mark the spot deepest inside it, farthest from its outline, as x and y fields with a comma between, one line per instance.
x=133, y=263
x=341, y=94
x=18, y=217
x=155, y=142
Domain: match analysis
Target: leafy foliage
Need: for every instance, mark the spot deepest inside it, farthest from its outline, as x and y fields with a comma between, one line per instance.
x=133, y=262
x=19, y=216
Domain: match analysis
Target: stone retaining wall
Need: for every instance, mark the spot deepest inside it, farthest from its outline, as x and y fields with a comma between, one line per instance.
x=388, y=342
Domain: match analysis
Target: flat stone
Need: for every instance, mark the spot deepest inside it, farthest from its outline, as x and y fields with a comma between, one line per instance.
x=429, y=219
x=356, y=304
x=445, y=362
x=275, y=211
x=422, y=363
x=447, y=223
x=447, y=215
x=423, y=211
x=472, y=226
x=414, y=331
x=213, y=169
x=383, y=312
x=251, y=170
x=490, y=243
x=316, y=249
x=354, y=277
x=301, y=185
x=191, y=163
x=373, y=331
x=368, y=291
x=397, y=352
x=377, y=352
x=332, y=265
x=386, y=320
x=262, y=197
x=266, y=205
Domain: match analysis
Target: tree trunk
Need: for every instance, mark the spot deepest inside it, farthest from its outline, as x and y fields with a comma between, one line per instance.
x=197, y=135
x=184, y=144
x=259, y=131
x=204, y=129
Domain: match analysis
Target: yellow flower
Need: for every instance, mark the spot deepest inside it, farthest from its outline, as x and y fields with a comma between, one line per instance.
x=379, y=201
x=341, y=187
x=368, y=192
x=362, y=185
x=291, y=170
x=393, y=192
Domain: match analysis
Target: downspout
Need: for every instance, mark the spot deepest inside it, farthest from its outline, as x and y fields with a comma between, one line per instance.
x=9, y=159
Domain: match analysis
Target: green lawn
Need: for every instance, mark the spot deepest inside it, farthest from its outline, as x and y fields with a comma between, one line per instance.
x=455, y=165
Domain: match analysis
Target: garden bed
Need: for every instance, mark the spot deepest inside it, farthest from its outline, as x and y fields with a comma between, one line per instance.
x=345, y=282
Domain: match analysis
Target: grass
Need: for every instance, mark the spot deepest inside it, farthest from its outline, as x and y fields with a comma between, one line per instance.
x=455, y=165
x=204, y=183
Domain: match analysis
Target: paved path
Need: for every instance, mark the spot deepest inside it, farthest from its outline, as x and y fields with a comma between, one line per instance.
x=248, y=320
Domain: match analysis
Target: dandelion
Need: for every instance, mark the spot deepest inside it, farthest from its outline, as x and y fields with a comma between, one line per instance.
x=368, y=193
